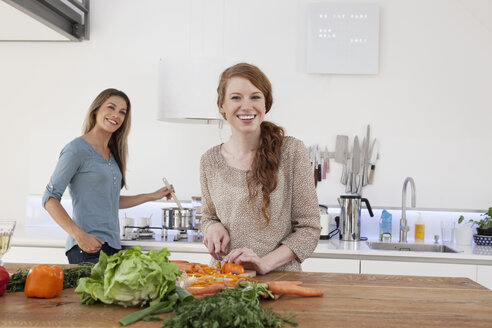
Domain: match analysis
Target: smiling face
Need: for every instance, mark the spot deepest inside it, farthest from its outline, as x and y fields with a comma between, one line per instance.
x=111, y=114
x=243, y=105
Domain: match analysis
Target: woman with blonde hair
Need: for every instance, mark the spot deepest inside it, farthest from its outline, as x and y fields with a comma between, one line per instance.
x=93, y=166
x=259, y=202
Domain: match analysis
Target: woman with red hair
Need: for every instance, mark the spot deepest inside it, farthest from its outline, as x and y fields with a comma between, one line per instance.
x=260, y=207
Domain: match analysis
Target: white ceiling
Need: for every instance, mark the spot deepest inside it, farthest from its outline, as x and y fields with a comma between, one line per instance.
x=18, y=26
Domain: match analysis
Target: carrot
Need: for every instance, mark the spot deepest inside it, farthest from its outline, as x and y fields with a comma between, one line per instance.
x=280, y=288
x=197, y=268
x=189, y=267
x=210, y=289
x=179, y=261
x=185, y=267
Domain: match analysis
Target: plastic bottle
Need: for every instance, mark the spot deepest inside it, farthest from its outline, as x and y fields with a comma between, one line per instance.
x=385, y=226
x=419, y=229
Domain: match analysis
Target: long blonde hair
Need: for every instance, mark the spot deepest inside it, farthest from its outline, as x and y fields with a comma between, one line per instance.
x=118, y=143
x=267, y=157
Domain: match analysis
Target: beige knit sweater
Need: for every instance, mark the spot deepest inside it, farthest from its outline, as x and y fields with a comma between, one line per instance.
x=295, y=220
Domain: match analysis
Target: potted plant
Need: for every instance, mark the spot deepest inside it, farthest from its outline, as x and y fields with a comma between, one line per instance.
x=484, y=226
x=463, y=232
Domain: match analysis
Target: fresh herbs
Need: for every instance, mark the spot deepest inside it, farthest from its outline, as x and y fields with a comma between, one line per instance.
x=17, y=281
x=485, y=223
x=71, y=276
x=233, y=307
x=166, y=306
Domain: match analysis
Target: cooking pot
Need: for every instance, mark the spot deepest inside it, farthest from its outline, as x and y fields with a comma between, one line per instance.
x=175, y=218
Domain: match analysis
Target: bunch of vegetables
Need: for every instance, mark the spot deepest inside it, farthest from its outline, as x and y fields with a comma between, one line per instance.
x=41, y=281
x=71, y=276
x=130, y=278
x=232, y=307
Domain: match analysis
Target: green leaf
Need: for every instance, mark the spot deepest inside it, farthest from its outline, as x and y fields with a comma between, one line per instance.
x=130, y=278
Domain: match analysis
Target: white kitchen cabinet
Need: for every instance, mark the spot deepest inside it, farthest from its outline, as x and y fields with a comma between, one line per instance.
x=484, y=275
x=314, y=264
x=419, y=269
x=39, y=255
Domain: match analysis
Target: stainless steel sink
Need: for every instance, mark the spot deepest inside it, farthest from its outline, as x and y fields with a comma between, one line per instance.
x=436, y=248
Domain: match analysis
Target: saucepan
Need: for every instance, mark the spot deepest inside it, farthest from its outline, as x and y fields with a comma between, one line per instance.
x=179, y=219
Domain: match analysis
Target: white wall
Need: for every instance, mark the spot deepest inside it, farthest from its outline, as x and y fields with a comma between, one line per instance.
x=429, y=106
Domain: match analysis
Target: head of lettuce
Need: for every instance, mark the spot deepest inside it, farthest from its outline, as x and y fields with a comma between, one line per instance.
x=130, y=278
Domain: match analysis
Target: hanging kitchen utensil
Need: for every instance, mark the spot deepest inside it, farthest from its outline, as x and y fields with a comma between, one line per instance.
x=374, y=158
x=355, y=165
x=365, y=165
x=361, y=167
x=341, y=155
x=172, y=193
x=326, y=162
x=367, y=170
x=348, y=178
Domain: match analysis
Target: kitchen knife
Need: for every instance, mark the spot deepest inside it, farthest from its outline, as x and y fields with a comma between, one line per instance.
x=355, y=165
x=362, y=157
x=367, y=169
x=365, y=165
x=326, y=163
x=341, y=155
x=348, y=174
x=374, y=158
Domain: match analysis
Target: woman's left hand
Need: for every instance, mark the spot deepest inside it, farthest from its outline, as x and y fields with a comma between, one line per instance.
x=248, y=259
x=161, y=193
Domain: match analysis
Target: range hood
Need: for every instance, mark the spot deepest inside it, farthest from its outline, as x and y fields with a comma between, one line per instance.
x=44, y=20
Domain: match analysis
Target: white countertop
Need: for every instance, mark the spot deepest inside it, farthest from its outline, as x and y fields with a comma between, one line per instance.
x=334, y=248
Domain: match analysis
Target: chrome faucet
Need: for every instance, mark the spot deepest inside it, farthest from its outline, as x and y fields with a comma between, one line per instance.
x=403, y=221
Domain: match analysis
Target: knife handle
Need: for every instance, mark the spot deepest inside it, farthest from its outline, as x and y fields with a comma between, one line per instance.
x=371, y=174
x=320, y=172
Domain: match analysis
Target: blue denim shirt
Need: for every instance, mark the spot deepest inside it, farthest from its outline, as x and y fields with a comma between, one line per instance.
x=94, y=184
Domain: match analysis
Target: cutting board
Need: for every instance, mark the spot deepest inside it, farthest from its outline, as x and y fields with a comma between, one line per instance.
x=249, y=273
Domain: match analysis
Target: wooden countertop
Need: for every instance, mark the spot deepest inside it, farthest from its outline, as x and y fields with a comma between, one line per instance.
x=350, y=300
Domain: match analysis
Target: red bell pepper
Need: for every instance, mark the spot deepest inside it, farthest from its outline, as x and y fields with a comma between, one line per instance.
x=4, y=279
x=44, y=281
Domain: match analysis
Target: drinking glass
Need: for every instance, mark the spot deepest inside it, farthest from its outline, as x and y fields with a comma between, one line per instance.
x=6, y=232
x=447, y=231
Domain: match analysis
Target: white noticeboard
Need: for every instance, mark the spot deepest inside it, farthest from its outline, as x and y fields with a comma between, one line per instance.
x=343, y=38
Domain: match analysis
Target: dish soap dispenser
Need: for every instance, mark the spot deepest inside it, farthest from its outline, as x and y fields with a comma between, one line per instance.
x=385, y=226
x=419, y=229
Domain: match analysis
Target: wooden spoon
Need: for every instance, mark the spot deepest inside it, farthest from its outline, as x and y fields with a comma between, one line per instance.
x=172, y=193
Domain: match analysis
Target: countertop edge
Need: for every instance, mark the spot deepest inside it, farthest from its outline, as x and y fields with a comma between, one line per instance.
x=326, y=249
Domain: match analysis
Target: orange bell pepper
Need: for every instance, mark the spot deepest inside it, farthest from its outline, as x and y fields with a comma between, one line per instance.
x=44, y=281
x=231, y=267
